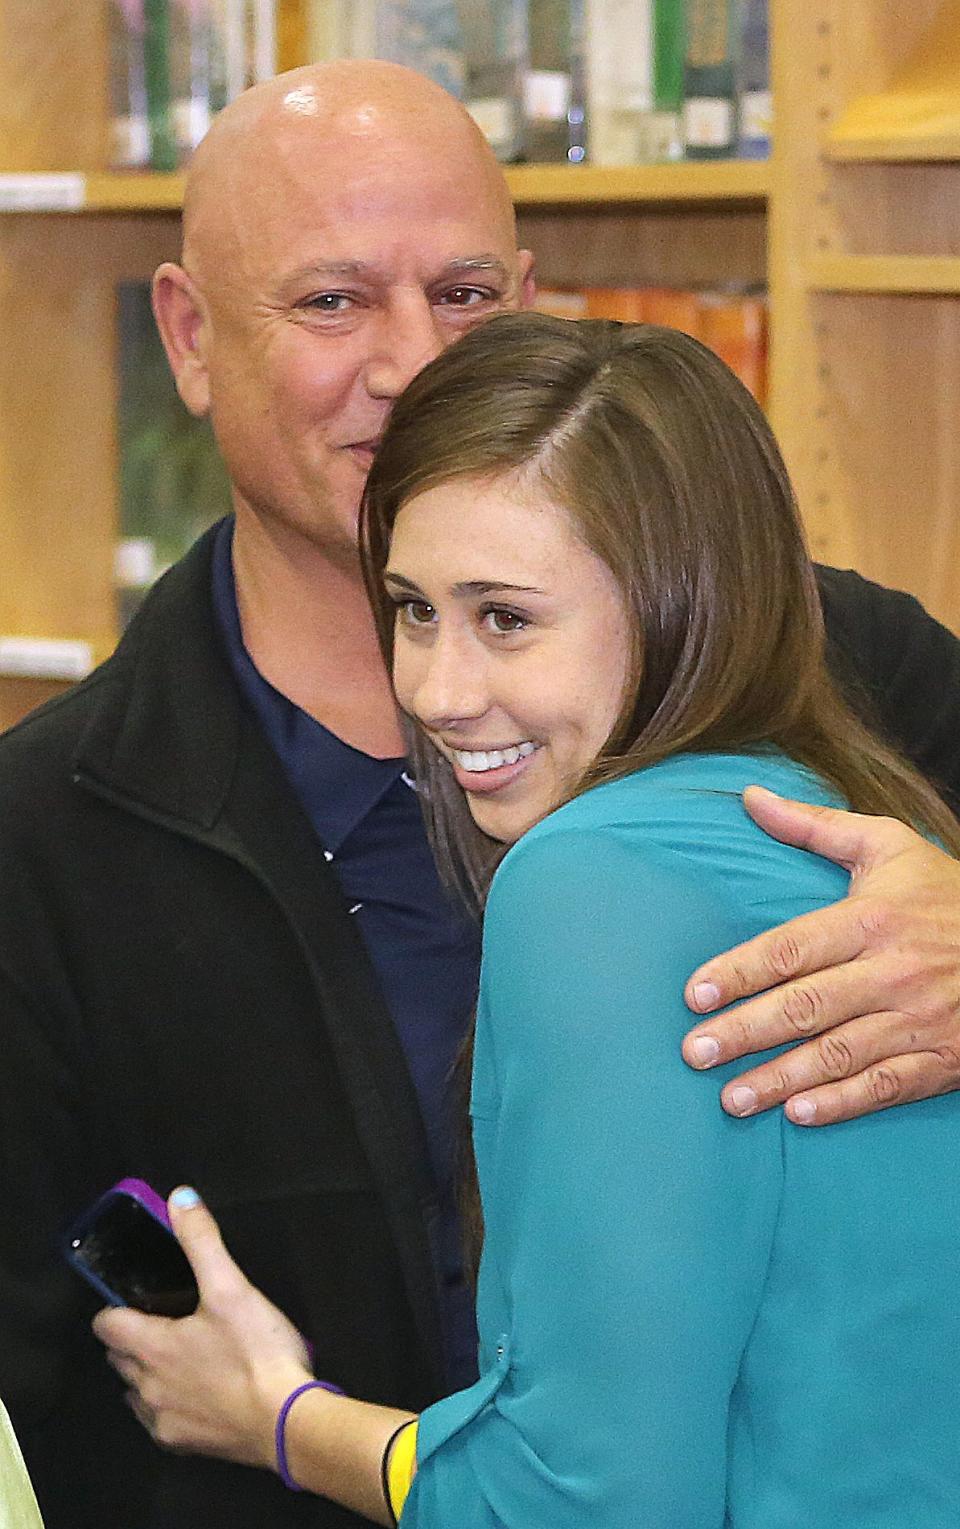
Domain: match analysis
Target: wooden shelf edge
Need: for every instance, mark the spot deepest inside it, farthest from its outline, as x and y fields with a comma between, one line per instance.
x=905, y=274
x=896, y=128
x=740, y=180
x=744, y=181
x=147, y=192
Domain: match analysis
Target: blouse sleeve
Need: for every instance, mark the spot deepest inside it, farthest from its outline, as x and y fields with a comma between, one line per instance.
x=629, y=1221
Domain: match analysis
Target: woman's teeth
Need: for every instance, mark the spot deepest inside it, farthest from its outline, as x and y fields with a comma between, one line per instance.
x=478, y=760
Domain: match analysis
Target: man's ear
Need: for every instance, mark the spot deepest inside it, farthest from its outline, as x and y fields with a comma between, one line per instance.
x=180, y=312
x=528, y=279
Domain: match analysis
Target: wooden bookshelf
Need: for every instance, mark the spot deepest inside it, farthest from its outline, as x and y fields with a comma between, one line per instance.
x=864, y=278
x=916, y=116
x=855, y=222
x=742, y=182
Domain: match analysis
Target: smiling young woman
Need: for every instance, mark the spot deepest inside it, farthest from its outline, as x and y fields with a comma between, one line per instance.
x=590, y=581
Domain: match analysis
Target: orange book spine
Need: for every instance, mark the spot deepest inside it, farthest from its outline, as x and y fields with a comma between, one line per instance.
x=734, y=325
x=623, y=303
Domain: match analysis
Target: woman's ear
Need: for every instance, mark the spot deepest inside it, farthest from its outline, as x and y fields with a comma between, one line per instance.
x=180, y=312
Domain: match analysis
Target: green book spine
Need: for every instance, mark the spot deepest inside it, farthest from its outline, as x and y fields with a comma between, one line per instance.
x=669, y=52
x=710, y=86
x=163, y=143
x=669, y=55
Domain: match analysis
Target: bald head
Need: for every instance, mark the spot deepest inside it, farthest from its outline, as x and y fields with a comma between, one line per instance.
x=330, y=124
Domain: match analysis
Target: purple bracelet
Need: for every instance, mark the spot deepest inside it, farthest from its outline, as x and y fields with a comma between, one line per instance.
x=281, y=1428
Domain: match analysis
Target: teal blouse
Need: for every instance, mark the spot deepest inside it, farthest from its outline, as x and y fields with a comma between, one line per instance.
x=686, y=1321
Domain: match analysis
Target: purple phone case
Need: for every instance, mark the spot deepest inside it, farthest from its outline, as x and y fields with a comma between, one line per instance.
x=139, y=1189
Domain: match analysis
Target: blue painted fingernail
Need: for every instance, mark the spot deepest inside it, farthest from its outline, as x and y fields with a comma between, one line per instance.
x=185, y=1198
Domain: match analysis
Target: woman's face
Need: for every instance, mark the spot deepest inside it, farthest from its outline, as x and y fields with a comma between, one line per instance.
x=512, y=644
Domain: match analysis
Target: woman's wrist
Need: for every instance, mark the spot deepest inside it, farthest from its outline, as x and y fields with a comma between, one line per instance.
x=272, y=1390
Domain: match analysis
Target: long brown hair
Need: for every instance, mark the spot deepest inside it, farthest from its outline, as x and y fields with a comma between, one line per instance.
x=669, y=472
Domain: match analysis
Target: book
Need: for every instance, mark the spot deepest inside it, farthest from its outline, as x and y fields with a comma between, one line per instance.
x=172, y=482
x=493, y=40
x=157, y=61
x=709, y=86
x=622, y=303
x=196, y=73
x=619, y=73
x=129, y=147
x=561, y=302
x=665, y=130
x=554, y=83
x=755, y=102
x=424, y=35
x=734, y=325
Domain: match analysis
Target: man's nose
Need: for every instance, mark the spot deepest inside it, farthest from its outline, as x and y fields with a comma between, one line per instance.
x=406, y=336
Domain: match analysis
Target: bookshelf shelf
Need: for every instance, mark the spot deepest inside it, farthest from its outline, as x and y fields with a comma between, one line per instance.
x=910, y=144
x=884, y=273
x=916, y=116
x=729, y=180
x=738, y=181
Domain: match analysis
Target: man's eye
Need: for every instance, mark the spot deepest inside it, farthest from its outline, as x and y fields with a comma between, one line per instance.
x=415, y=612
x=333, y=303
x=502, y=621
x=467, y=297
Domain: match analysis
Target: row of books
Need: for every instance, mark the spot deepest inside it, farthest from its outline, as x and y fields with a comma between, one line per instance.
x=602, y=81
x=732, y=321
x=173, y=65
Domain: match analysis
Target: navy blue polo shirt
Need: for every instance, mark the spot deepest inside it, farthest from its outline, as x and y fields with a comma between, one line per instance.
x=424, y=951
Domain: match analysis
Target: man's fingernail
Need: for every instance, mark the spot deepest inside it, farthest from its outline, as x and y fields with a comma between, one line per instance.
x=801, y=1111
x=742, y=1099
x=706, y=995
x=705, y=1049
x=185, y=1198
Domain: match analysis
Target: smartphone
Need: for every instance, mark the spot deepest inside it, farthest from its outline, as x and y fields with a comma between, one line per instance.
x=124, y=1246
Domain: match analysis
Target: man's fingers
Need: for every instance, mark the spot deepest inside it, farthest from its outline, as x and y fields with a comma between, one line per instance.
x=814, y=942
x=799, y=1010
x=840, y=1053
x=898, y=1080
x=849, y=839
x=846, y=1072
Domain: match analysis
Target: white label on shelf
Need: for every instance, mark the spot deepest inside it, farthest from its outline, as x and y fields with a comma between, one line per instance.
x=42, y=193
x=45, y=658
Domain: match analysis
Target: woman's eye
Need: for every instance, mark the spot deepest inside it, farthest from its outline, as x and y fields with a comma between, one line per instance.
x=416, y=612
x=504, y=621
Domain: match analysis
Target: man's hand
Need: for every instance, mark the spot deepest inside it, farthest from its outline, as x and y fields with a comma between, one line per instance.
x=210, y=1383
x=875, y=979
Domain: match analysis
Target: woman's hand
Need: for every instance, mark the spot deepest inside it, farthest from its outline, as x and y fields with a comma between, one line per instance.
x=211, y=1383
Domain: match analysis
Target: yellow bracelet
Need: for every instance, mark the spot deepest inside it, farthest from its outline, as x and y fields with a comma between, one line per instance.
x=401, y=1467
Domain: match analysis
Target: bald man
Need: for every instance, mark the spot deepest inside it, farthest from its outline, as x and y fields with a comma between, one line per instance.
x=225, y=958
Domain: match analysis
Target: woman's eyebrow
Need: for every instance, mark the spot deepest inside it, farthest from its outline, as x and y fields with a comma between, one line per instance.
x=467, y=586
